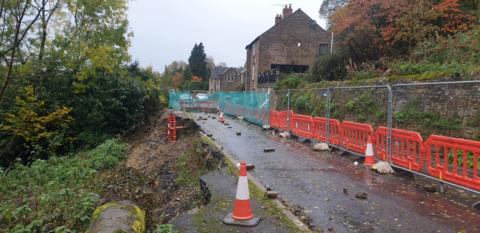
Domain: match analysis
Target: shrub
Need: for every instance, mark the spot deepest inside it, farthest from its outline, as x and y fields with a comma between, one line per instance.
x=290, y=81
x=58, y=194
x=329, y=67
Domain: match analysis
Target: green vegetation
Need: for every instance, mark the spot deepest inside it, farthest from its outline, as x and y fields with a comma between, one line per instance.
x=329, y=67
x=362, y=107
x=192, y=164
x=427, y=122
x=165, y=228
x=58, y=194
x=71, y=88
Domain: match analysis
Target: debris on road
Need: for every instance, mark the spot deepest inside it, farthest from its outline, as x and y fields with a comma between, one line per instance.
x=250, y=167
x=431, y=188
x=240, y=118
x=345, y=191
x=239, y=133
x=265, y=127
x=284, y=135
x=361, y=195
x=266, y=150
x=271, y=194
x=209, y=135
x=476, y=205
x=383, y=168
x=321, y=147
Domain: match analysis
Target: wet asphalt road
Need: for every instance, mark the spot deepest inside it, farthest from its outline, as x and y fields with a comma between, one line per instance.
x=318, y=181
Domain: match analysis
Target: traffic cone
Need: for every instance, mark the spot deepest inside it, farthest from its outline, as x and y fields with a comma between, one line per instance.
x=369, y=157
x=242, y=214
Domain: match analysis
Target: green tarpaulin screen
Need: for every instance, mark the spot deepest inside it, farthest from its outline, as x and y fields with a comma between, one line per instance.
x=253, y=106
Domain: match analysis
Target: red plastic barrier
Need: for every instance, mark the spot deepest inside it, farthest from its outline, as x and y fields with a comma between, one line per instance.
x=320, y=132
x=449, y=159
x=354, y=136
x=302, y=125
x=279, y=120
x=407, y=148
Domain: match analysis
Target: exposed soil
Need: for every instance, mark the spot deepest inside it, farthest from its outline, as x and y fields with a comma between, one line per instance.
x=150, y=175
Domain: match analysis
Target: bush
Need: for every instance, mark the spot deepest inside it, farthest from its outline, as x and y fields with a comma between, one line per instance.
x=406, y=68
x=290, y=81
x=461, y=48
x=329, y=67
x=58, y=194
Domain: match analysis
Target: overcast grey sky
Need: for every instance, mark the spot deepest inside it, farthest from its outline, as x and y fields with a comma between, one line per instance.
x=166, y=30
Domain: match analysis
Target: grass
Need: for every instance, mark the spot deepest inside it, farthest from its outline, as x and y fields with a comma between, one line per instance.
x=56, y=195
x=192, y=164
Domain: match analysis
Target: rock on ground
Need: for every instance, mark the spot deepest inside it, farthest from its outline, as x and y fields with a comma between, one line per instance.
x=321, y=147
x=383, y=168
x=118, y=217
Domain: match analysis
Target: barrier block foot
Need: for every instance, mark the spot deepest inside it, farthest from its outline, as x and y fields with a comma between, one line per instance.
x=229, y=220
x=476, y=205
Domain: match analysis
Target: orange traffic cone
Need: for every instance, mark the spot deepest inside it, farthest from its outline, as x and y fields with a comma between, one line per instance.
x=369, y=157
x=221, y=118
x=242, y=211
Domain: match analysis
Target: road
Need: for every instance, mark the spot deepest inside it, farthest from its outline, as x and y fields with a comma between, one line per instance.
x=325, y=184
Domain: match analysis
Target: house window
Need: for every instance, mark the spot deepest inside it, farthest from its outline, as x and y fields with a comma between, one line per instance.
x=323, y=49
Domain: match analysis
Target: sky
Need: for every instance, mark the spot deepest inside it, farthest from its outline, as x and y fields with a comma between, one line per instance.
x=166, y=30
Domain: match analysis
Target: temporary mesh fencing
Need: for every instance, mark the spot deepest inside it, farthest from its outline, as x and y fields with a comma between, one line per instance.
x=253, y=106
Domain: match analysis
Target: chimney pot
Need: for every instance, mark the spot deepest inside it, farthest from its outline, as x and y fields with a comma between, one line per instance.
x=278, y=19
x=287, y=11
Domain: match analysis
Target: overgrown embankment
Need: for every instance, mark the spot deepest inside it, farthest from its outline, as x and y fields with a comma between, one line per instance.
x=61, y=193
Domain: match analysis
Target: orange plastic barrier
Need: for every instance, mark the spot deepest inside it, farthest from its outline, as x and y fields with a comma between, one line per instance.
x=279, y=120
x=354, y=136
x=451, y=159
x=172, y=127
x=320, y=130
x=407, y=148
x=302, y=125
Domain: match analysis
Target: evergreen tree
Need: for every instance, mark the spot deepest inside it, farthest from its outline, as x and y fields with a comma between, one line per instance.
x=198, y=62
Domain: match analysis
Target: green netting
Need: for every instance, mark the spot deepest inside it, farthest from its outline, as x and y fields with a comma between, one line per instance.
x=253, y=106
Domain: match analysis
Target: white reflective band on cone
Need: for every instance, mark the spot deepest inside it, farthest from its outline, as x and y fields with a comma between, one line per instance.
x=369, y=151
x=242, y=189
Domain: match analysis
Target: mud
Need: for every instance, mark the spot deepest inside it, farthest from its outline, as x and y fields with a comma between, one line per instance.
x=325, y=184
x=150, y=175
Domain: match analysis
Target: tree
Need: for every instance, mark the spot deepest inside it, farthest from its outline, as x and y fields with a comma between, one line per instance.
x=397, y=26
x=198, y=62
x=328, y=7
x=329, y=67
x=31, y=122
x=187, y=74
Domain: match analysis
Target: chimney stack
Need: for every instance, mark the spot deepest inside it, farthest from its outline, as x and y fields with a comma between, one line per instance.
x=287, y=11
x=278, y=19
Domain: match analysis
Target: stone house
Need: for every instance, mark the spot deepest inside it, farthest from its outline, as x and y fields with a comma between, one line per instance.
x=292, y=45
x=227, y=79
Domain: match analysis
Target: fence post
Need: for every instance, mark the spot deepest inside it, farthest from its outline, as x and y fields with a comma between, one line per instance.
x=327, y=116
x=389, y=123
x=288, y=109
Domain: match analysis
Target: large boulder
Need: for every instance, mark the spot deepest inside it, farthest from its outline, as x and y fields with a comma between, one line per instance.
x=321, y=147
x=383, y=168
x=115, y=217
